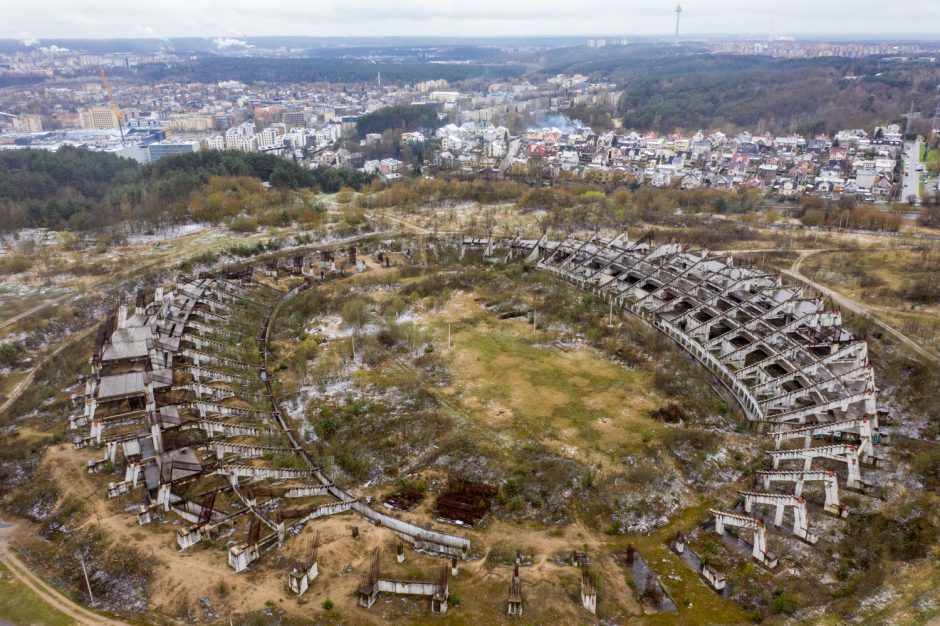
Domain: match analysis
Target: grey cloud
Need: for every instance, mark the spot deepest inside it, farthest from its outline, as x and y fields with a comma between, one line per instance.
x=215, y=18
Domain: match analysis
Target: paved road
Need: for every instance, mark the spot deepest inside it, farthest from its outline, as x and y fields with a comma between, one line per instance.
x=910, y=183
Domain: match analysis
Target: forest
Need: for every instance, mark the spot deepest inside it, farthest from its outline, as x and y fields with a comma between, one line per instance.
x=253, y=70
x=666, y=88
x=409, y=117
x=777, y=96
x=80, y=189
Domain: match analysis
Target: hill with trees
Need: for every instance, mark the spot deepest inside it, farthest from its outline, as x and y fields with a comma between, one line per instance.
x=666, y=88
x=80, y=189
x=253, y=70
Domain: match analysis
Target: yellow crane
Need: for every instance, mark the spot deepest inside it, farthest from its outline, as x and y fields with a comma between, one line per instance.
x=114, y=107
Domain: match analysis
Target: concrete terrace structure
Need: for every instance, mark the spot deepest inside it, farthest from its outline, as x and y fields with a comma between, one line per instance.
x=780, y=353
x=180, y=399
x=373, y=583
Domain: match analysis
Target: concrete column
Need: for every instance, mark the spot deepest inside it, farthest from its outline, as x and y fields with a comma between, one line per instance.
x=163, y=497
x=855, y=475
x=91, y=404
x=760, y=544
x=110, y=451
x=157, y=437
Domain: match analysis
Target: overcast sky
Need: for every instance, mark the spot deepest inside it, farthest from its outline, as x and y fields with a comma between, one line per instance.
x=28, y=19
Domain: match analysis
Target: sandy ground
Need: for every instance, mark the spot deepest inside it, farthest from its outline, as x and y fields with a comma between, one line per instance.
x=181, y=580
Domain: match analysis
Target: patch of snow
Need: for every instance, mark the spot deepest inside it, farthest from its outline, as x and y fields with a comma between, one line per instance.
x=878, y=599
x=166, y=234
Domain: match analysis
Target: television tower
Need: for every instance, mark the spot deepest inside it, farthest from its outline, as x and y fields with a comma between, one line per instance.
x=678, y=13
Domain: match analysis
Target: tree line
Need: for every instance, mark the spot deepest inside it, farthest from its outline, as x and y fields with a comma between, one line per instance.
x=79, y=189
x=404, y=118
x=670, y=89
x=253, y=70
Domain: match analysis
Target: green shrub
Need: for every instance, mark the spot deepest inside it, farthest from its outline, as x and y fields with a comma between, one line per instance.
x=783, y=602
x=243, y=225
x=15, y=265
x=927, y=463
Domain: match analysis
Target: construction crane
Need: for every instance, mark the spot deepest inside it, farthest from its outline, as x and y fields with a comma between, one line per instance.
x=9, y=114
x=114, y=107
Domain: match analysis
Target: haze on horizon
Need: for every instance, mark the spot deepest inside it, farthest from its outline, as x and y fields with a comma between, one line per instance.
x=93, y=19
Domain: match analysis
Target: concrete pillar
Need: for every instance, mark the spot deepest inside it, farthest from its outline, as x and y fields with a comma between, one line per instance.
x=854, y=479
x=760, y=544
x=110, y=451
x=151, y=402
x=91, y=404
x=778, y=514
x=122, y=316
x=96, y=430
x=157, y=437
x=163, y=497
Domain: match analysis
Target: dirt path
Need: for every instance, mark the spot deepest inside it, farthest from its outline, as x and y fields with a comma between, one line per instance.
x=24, y=384
x=28, y=312
x=854, y=306
x=80, y=614
x=419, y=229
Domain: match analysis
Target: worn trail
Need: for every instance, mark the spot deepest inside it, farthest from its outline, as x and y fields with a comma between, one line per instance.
x=856, y=307
x=80, y=614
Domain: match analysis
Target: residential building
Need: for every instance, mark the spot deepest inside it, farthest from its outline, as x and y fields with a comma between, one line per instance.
x=99, y=118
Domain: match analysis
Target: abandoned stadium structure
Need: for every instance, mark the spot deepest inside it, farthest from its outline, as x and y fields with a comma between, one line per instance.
x=194, y=421
x=782, y=355
x=181, y=396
